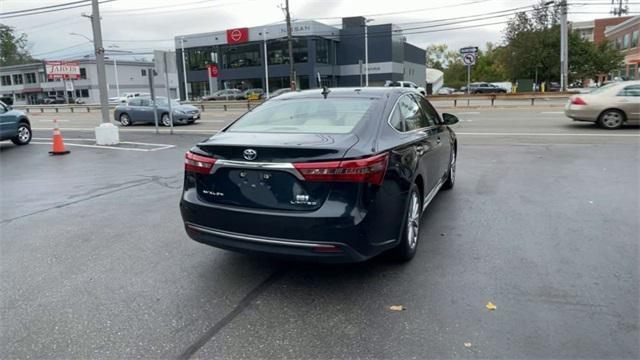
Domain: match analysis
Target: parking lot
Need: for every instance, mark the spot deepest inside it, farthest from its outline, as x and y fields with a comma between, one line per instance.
x=543, y=223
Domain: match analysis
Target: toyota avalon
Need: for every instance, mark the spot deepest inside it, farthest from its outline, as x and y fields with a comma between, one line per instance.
x=334, y=175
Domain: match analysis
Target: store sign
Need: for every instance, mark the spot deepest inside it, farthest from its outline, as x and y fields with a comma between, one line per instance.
x=62, y=69
x=237, y=36
x=213, y=70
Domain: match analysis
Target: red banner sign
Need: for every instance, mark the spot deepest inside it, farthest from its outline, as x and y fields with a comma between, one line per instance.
x=213, y=71
x=62, y=69
x=237, y=36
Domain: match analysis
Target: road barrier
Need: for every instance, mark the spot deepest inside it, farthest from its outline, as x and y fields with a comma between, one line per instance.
x=228, y=105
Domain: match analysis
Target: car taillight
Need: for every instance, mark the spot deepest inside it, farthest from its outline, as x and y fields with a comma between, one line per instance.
x=578, y=101
x=198, y=163
x=368, y=170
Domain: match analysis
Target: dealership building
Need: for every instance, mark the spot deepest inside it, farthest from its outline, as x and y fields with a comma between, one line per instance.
x=235, y=58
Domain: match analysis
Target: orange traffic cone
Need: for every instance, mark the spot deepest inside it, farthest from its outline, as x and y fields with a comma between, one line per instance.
x=58, y=142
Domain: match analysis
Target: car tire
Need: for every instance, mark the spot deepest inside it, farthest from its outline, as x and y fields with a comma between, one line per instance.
x=611, y=119
x=125, y=120
x=408, y=245
x=165, y=120
x=24, y=134
x=451, y=175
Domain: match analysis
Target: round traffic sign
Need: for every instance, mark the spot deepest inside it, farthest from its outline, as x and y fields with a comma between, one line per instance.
x=469, y=59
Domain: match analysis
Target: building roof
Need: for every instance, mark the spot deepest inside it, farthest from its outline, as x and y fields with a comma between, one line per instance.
x=623, y=25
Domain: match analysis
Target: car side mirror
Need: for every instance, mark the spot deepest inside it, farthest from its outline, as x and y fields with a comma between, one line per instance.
x=449, y=119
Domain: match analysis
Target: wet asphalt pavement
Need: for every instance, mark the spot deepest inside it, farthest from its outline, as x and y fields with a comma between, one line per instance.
x=95, y=263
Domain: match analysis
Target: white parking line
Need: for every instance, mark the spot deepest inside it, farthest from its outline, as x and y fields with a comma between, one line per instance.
x=546, y=134
x=158, y=146
x=51, y=121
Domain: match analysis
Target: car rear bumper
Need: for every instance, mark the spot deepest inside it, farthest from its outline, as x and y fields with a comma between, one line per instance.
x=329, y=234
x=579, y=113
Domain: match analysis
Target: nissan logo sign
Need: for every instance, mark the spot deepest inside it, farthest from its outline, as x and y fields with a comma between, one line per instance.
x=236, y=35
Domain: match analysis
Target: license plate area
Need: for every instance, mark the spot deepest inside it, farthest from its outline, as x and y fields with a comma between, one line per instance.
x=260, y=188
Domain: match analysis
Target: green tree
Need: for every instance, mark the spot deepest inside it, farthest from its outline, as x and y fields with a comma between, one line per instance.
x=439, y=56
x=13, y=47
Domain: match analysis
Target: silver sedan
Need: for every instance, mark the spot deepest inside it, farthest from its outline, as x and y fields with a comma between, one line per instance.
x=610, y=106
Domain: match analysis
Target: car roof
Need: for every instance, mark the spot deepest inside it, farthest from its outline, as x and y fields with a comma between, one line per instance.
x=368, y=92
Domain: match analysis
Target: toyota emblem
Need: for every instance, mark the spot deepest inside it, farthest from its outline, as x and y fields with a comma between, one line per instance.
x=250, y=154
x=236, y=35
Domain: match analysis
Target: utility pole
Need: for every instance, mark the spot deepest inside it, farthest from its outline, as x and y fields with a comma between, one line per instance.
x=564, y=46
x=106, y=133
x=292, y=76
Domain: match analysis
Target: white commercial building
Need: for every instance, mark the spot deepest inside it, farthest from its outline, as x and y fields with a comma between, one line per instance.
x=28, y=84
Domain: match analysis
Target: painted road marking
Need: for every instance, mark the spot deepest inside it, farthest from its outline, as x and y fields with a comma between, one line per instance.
x=51, y=121
x=552, y=112
x=157, y=146
x=546, y=134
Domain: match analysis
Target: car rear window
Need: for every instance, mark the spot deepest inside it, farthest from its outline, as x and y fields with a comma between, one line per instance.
x=321, y=116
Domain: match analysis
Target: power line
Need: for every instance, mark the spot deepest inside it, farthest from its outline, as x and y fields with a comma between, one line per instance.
x=44, y=7
x=3, y=16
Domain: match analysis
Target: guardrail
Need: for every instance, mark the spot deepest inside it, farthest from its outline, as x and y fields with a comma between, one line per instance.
x=227, y=105
x=493, y=97
x=203, y=105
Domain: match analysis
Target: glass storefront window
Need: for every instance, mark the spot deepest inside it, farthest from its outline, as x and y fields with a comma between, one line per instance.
x=199, y=89
x=279, y=51
x=199, y=58
x=322, y=51
x=237, y=56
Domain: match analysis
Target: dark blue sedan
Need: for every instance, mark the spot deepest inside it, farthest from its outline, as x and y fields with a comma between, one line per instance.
x=336, y=175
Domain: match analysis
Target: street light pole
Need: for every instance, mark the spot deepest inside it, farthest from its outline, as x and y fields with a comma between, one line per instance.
x=266, y=63
x=184, y=71
x=366, y=52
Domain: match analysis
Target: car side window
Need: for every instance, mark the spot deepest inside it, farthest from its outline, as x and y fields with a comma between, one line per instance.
x=3, y=109
x=145, y=102
x=631, y=90
x=134, y=102
x=429, y=114
x=410, y=112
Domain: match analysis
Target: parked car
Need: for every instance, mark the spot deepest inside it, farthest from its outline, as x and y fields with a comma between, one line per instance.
x=279, y=92
x=336, y=175
x=610, y=106
x=406, y=84
x=51, y=100
x=227, y=94
x=554, y=87
x=14, y=125
x=7, y=100
x=140, y=110
x=485, y=88
x=253, y=94
x=446, y=91
x=126, y=97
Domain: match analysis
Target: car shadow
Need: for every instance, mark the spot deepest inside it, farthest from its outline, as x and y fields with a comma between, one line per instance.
x=593, y=126
x=7, y=146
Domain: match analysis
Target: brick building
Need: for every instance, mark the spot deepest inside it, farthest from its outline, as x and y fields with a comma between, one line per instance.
x=625, y=37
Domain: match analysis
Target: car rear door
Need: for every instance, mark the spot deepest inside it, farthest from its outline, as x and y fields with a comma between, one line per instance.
x=146, y=110
x=7, y=123
x=628, y=99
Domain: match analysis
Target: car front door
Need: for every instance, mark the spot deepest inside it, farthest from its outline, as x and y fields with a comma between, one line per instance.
x=7, y=123
x=146, y=110
x=133, y=108
x=628, y=99
x=442, y=138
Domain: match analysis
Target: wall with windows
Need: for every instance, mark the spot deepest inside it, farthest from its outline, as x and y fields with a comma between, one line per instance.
x=625, y=37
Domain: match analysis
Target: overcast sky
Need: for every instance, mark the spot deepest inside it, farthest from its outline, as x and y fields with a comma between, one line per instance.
x=144, y=25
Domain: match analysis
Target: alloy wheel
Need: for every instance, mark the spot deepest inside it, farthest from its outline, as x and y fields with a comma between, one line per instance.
x=124, y=120
x=612, y=119
x=24, y=134
x=413, y=221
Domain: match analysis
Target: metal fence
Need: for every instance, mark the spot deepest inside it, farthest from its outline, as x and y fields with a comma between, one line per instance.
x=230, y=105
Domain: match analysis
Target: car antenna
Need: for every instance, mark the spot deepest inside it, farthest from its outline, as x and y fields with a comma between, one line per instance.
x=325, y=91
